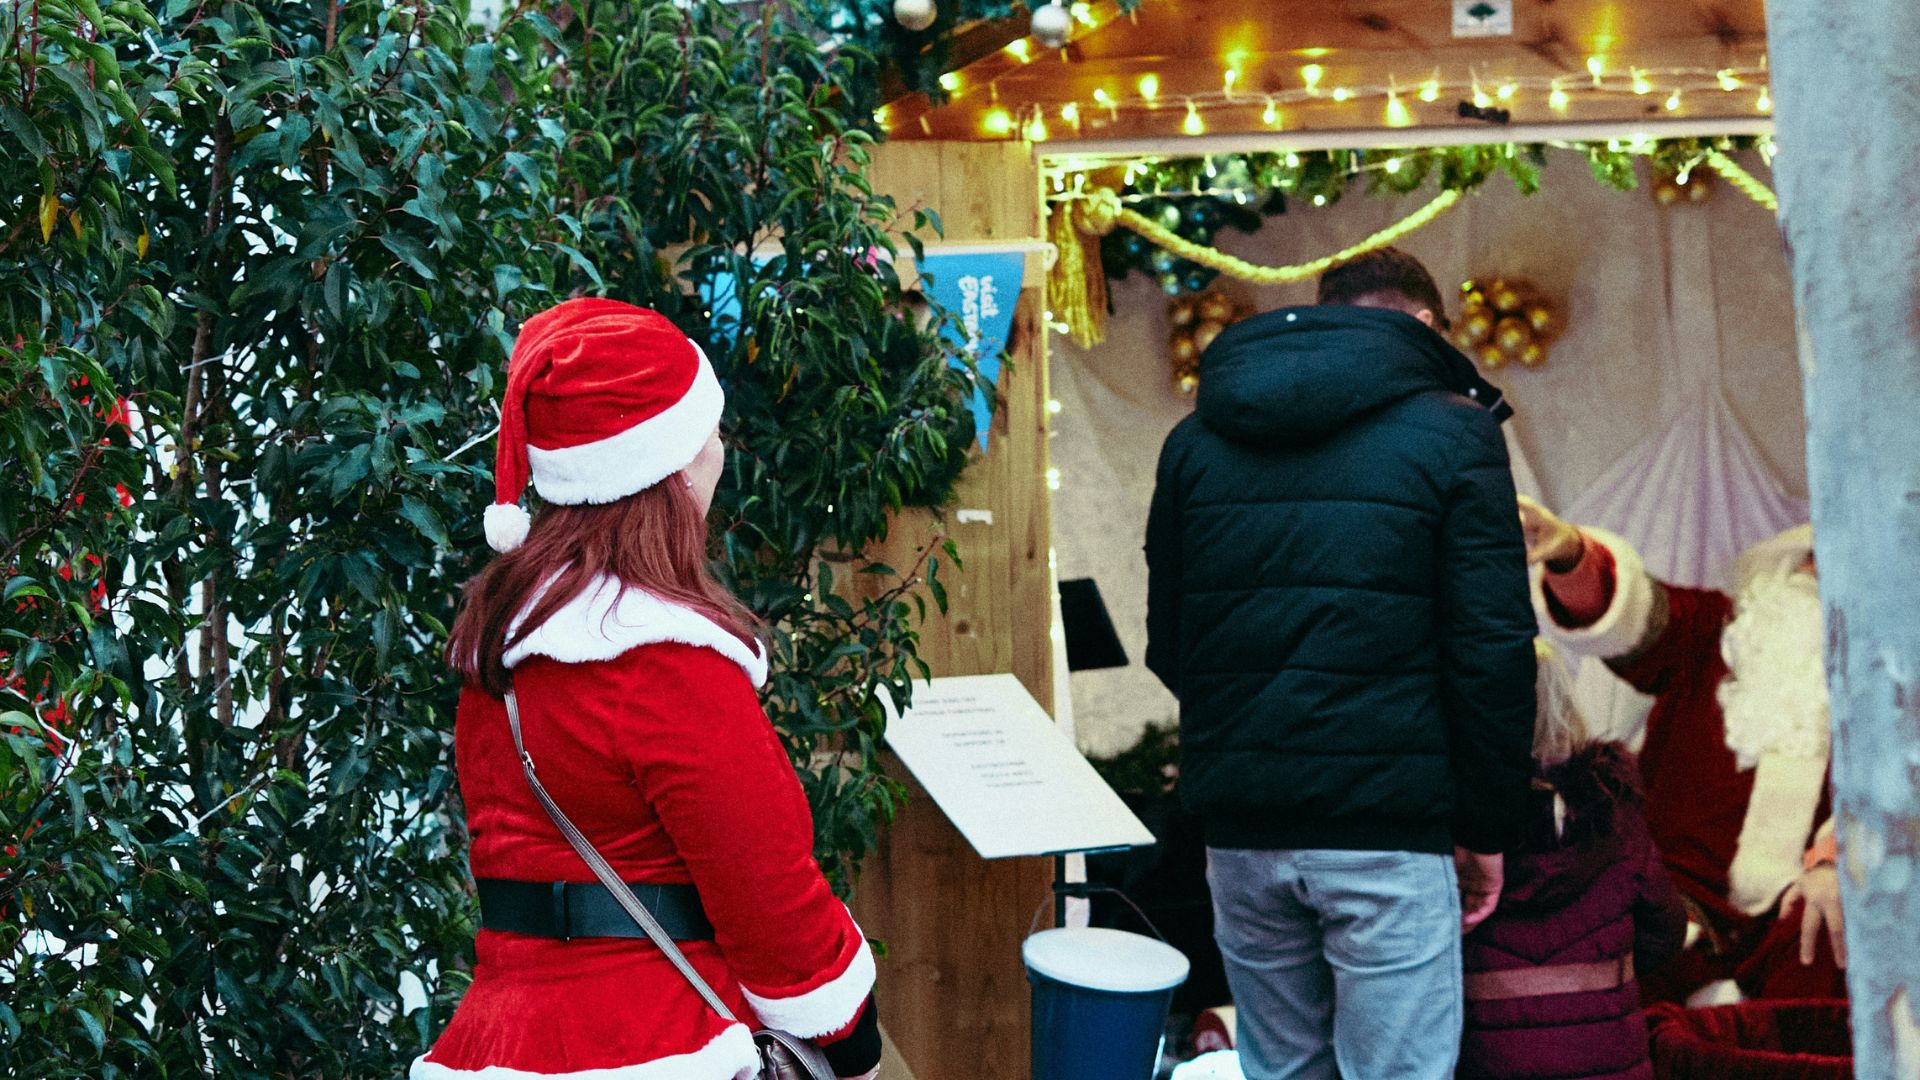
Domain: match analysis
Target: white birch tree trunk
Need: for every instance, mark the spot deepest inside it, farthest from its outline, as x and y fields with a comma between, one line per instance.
x=1846, y=76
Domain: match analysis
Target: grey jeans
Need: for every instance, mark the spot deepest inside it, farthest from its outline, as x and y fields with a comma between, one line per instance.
x=1342, y=963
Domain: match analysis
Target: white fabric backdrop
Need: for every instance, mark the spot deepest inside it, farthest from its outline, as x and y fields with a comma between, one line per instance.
x=1670, y=411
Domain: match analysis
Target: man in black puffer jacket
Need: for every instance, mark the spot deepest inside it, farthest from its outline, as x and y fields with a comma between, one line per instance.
x=1337, y=593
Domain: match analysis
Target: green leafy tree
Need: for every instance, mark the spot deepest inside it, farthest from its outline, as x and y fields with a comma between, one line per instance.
x=265, y=264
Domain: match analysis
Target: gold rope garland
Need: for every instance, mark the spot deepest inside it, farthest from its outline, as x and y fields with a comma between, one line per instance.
x=1281, y=275
x=1099, y=211
x=1748, y=184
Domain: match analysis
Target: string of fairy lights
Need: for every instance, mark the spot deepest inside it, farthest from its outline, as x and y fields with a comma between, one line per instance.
x=1402, y=104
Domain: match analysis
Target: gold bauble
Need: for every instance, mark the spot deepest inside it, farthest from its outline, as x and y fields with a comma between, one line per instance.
x=1180, y=313
x=1511, y=335
x=1540, y=317
x=1187, y=384
x=1183, y=349
x=1216, y=307
x=1475, y=327
x=1533, y=355
x=1491, y=357
x=1665, y=192
x=1204, y=334
x=1699, y=189
x=1505, y=297
x=1469, y=287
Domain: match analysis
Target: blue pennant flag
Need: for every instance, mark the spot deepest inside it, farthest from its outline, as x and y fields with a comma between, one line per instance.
x=982, y=289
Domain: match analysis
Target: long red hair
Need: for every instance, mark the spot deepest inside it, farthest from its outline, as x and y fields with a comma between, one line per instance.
x=654, y=540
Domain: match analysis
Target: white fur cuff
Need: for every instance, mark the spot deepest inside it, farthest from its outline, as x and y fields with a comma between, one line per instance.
x=1623, y=628
x=1774, y=836
x=826, y=1008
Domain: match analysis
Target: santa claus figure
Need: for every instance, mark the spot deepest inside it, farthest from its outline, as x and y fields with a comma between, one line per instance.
x=1734, y=751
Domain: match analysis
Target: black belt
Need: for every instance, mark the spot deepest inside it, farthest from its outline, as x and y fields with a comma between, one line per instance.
x=559, y=909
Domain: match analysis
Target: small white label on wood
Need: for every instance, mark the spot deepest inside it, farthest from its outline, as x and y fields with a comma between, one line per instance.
x=1482, y=18
x=975, y=517
x=1004, y=773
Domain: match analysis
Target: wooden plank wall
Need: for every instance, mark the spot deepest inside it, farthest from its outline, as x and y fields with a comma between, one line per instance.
x=953, y=992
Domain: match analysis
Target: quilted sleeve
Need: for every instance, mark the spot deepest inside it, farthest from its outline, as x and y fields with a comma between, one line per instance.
x=1486, y=635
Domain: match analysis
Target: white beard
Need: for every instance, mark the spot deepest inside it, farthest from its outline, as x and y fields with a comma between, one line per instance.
x=1775, y=699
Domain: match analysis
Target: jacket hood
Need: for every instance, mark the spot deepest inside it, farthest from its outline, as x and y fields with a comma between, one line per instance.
x=1297, y=376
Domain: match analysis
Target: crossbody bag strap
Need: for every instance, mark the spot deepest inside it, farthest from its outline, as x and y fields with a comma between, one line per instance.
x=606, y=873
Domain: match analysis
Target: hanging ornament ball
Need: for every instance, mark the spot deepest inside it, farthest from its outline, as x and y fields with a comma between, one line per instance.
x=1476, y=326
x=1491, y=357
x=1185, y=348
x=1180, y=313
x=1511, y=335
x=1204, y=334
x=1216, y=307
x=1475, y=302
x=1169, y=215
x=1540, y=317
x=1198, y=278
x=1170, y=283
x=1533, y=355
x=1051, y=25
x=915, y=14
x=1187, y=384
x=1665, y=191
x=1700, y=187
x=1164, y=262
x=1504, y=296
x=1469, y=288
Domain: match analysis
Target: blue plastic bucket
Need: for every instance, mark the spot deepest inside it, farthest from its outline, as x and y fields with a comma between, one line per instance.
x=1100, y=1000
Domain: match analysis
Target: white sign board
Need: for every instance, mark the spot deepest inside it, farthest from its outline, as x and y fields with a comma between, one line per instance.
x=1004, y=774
x=1482, y=18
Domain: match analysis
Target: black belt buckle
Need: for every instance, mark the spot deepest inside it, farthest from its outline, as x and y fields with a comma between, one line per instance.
x=562, y=915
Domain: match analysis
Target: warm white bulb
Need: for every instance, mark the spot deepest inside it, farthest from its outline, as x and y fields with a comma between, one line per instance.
x=1270, y=116
x=1398, y=115
x=1149, y=86
x=1764, y=103
x=1293, y=161
x=1341, y=93
x=1311, y=75
x=1506, y=91
x=1319, y=200
x=1640, y=83
x=1193, y=125
x=1392, y=165
x=1430, y=91
x=1673, y=101
x=1558, y=100
x=1728, y=81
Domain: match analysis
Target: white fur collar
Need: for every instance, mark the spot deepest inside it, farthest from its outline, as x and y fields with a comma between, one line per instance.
x=606, y=620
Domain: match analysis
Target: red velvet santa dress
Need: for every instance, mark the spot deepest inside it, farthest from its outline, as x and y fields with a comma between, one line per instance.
x=642, y=718
x=1733, y=810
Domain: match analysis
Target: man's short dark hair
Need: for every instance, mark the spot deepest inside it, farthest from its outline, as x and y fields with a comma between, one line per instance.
x=1386, y=277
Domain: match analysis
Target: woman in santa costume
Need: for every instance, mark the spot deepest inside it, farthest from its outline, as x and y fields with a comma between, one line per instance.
x=635, y=674
x=1735, y=749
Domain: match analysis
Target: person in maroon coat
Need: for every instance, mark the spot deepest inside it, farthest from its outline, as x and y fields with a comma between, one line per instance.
x=1551, y=984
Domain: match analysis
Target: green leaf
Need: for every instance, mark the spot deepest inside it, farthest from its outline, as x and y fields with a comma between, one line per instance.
x=424, y=519
x=409, y=251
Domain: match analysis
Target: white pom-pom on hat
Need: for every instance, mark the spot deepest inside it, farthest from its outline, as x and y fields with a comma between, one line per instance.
x=506, y=526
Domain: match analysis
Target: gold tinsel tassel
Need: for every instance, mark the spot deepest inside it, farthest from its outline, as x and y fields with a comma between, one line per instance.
x=1077, y=285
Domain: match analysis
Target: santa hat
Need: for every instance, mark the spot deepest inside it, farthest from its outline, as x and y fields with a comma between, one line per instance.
x=1782, y=553
x=603, y=400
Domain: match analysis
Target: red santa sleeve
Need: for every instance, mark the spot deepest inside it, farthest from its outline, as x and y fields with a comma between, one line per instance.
x=713, y=769
x=1605, y=606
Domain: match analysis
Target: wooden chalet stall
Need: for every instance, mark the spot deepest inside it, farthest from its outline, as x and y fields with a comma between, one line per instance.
x=1169, y=79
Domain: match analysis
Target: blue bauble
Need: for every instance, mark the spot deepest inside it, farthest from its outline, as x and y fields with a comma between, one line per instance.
x=1171, y=284
x=1198, y=278
x=1135, y=245
x=1164, y=262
